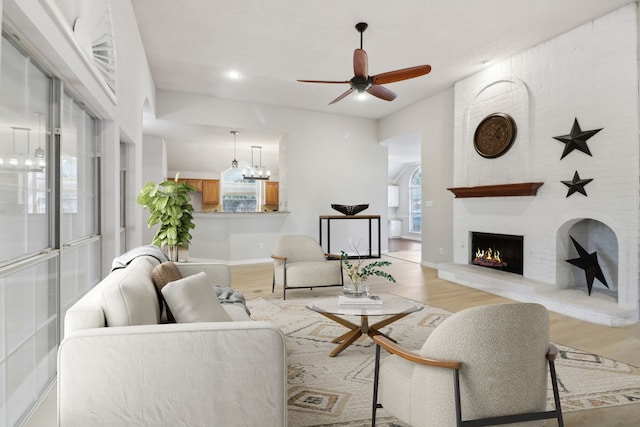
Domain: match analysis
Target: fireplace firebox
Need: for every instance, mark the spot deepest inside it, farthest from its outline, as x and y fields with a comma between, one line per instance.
x=497, y=251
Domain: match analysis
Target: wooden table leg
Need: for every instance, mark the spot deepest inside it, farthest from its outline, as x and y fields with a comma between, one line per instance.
x=339, y=320
x=352, y=336
x=374, y=329
x=356, y=331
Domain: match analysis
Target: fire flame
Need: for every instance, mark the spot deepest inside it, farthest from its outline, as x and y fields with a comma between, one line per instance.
x=488, y=254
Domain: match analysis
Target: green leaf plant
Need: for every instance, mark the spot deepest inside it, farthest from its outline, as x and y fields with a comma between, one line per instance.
x=360, y=271
x=169, y=204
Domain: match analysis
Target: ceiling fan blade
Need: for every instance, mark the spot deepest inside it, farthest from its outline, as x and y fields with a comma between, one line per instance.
x=360, y=64
x=323, y=81
x=342, y=96
x=381, y=92
x=403, y=74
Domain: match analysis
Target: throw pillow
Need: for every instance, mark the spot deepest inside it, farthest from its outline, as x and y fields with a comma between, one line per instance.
x=128, y=296
x=192, y=299
x=161, y=275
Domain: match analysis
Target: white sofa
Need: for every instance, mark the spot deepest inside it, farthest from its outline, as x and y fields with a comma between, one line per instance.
x=118, y=365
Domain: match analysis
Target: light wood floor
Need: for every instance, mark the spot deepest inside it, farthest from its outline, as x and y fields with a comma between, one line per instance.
x=422, y=284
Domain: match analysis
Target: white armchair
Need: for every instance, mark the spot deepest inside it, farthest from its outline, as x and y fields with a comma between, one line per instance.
x=300, y=262
x=485, y=365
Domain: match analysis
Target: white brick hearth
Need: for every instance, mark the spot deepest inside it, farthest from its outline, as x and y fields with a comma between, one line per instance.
x=591, y=74
x=598, y=308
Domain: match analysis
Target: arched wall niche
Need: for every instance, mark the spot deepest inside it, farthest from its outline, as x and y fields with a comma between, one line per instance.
x=594, y=236
x=505, y=94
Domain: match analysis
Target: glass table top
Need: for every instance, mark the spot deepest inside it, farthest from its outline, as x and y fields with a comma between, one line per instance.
x=391, y=305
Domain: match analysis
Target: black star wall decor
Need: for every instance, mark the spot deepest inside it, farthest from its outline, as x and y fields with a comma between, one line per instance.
x=589, y=263
x=577, y=139
x=576, y=184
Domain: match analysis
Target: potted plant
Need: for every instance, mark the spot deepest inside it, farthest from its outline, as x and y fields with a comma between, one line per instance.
x=359, y=272
x=169, y=204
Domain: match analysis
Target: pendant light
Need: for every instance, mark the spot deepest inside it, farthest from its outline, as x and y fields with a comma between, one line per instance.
x=15, y=157
x=28, y=161
x=256, y=171
x=234, y=162
x=39, y=152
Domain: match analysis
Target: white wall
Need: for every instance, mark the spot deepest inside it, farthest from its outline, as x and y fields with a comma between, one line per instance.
x=329, y=159
x=591, y=74
x=154, y=169
x=432, y=119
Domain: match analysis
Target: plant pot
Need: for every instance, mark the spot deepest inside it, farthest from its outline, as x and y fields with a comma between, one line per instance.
x=172, y=252
x=176, y=253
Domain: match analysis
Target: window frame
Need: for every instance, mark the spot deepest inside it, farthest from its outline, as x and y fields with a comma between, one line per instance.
x=415, y=203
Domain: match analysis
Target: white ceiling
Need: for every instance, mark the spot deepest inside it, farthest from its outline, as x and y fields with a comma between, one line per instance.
x=192, y=45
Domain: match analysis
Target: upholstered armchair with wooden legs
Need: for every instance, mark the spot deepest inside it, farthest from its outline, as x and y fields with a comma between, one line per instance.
x=300, y=262
x=482, y=366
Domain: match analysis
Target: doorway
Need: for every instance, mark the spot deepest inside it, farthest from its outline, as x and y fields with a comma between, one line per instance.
x=405, y=249
x=404, y=159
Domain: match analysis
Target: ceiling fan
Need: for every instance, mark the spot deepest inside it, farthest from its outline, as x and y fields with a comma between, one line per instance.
x=363, y=82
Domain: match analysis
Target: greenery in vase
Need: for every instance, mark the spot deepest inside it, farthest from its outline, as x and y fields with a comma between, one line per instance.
x=360, y=271
x=169, y=204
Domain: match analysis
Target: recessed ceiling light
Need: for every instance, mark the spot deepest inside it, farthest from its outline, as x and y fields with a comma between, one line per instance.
x=234, y=74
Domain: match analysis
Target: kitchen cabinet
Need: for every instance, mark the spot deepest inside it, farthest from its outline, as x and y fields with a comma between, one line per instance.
x=195, y=183
x=271, y=193
x=211, y=191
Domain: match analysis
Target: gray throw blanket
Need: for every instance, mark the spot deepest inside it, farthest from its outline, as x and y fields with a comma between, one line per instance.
x=148, y=250
x=230, y=296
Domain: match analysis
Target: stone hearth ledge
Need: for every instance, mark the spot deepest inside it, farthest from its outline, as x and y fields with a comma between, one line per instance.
x=598, y=308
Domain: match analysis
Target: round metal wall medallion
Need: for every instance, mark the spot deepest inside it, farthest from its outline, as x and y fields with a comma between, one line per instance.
x=495, y=135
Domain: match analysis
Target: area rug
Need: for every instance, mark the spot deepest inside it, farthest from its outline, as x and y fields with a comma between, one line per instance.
x=337, y=391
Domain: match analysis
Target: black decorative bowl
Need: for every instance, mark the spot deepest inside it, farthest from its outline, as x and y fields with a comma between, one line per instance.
x=349, y=209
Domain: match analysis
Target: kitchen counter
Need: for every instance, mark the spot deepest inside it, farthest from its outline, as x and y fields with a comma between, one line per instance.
x=236, y=214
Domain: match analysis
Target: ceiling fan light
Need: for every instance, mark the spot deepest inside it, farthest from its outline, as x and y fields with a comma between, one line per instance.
x=234, y=75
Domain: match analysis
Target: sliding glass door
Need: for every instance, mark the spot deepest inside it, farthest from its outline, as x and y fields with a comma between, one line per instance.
x=49, y=224
x=29, y=278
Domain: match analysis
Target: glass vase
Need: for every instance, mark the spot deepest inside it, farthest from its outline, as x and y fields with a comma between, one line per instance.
x=355, y=289
x=172, y=252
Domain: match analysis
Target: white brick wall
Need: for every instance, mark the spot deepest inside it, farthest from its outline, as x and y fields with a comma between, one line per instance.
x=591, y=74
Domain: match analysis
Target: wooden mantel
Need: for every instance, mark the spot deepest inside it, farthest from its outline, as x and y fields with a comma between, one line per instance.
x=501, y=190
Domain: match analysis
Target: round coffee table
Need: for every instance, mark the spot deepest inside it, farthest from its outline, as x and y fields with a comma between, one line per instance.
x=393, y=306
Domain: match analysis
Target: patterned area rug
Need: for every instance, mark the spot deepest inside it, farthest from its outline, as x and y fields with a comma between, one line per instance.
x=337, y=391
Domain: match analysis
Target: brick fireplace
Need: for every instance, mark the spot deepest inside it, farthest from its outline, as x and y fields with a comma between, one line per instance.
x=584, y=75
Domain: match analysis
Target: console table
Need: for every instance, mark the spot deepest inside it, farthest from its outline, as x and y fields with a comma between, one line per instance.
x=369, y=218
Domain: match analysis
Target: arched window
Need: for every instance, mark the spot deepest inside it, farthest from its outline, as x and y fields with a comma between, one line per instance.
x=238, y=194
x=415, y=201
